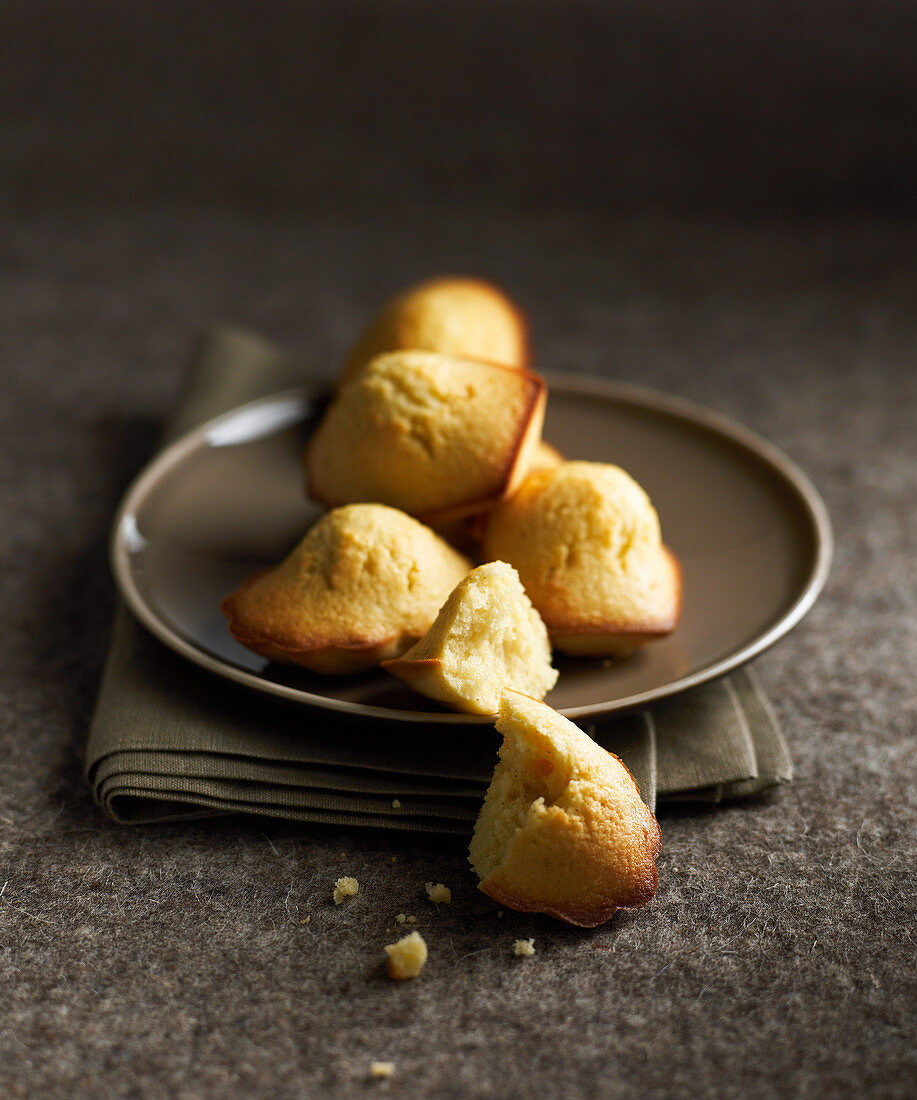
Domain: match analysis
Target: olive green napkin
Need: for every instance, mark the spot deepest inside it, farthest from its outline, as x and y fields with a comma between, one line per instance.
x=169, y=740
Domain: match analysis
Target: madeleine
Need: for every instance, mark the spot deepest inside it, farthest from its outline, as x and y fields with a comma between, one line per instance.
x=486, y=637
x=563, y=829
x=437, y=437
x=586, y=542
x=464, y=317
x=364, y=584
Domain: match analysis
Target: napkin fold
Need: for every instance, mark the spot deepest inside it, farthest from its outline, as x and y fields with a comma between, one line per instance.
x=169, y=740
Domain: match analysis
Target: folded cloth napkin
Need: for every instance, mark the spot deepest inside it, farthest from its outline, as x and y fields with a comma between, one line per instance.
x=169, y=740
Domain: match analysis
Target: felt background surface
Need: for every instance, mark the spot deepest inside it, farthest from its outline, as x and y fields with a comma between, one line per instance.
x=717, y=203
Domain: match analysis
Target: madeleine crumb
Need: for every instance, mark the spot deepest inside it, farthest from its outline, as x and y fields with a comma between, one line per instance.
x=406, y=958
x=382, y=1069
x=524, y=947
x=400, y=918
x=437, y=893
x=345, y=887
x=396, y=803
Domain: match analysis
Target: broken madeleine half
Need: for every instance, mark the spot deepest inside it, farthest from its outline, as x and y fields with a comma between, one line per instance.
x=563, y=829
x=586, y=542
x=487, y=636
x=465, y=317
x=364, y=584
x=435, y=436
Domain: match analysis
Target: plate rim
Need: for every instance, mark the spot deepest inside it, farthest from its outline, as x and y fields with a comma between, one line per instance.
x=578, y=384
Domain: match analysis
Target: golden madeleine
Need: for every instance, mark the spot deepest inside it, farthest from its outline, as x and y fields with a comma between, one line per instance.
x=563, y=829
x=465, y=317
x=586, y=542
x=486, y=637
x=364, y=584
x=435, y=436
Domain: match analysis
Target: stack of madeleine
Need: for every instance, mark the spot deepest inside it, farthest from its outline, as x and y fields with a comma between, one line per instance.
x=458, y=551
x=430, y=457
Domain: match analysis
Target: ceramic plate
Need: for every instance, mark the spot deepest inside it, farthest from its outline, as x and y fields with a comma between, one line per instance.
x=751, y=532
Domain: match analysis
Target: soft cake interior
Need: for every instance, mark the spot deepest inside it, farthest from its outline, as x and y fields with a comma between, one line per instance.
x=532, y=773
x=488, y=647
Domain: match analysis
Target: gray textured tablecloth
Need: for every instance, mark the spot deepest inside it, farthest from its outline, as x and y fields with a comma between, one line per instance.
x=712, y=199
